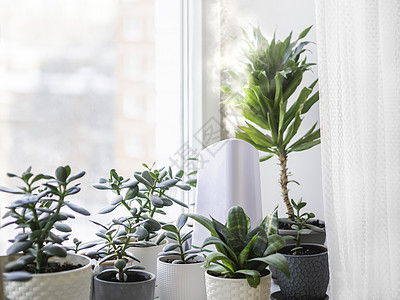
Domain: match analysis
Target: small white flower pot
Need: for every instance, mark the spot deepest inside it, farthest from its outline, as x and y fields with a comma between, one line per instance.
x=181, y=281
x=66, y=285
x=219, y=288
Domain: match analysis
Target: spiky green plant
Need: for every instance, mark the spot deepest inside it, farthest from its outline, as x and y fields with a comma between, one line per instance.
x=262, y=92
x=242, y=252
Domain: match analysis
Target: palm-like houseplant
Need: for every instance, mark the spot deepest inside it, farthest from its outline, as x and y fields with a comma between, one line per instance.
x=263, y=92
x=242, y=252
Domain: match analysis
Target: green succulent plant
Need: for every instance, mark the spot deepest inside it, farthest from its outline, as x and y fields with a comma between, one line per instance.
x=300, y=223
x=176, y=248
x=39, y=213
x=263, y=94
x=240, y=251
x=144, y=198
x=113, y=243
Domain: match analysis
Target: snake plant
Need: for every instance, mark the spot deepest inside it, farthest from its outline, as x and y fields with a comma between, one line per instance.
x=240, y=251
x=264, y=93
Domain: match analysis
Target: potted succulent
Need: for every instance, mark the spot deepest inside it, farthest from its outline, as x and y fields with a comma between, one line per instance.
x=238, y=267
x=121, y=279
x=39, y=265
x=180, y=272
x=273, y=72
x=308, y=263
x=144, y=199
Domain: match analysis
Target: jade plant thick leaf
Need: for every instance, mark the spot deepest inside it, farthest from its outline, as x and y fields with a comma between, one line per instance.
x=39, y=214
x=143, y=198
x=243, y=252
x=263, y=92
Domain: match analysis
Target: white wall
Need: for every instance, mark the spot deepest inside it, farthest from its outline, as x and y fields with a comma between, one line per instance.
x=282, y=16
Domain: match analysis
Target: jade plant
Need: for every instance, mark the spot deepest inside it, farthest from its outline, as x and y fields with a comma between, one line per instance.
x=113, y=243
x=242, y=252
x=39, y=214
x=301, y=224
x=144, y=199
x=175, y=250
x=263, y=93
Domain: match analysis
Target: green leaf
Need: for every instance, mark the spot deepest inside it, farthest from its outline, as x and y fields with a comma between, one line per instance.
x=253, y=277
x=55, y=250
x=18, y=247
x=310, y=102
x=62, y=227
x=101, y=187
x=61, y=174
x=276, y=260
x=270, y=222
x=107, y=209
x=142, y=180
x=171, y=228
x=182, y=221
x=78, y=209
x=237, y=221
x=314, y=228
x=275, y=243
x=167, y=183
x=17, y=276
x=177, y=201
x=76, y=176
x=266, y=157
x=244, y=254
x=212, y=240
x=170, y=247
x=213, y=257
x=304, y=33
x=207, y=223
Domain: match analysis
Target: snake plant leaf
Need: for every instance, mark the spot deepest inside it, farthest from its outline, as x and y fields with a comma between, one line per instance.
x=261, y=243
x=252, y=276
x=275, y=242
x=207, y=223
x=270, y=222
x=213, y=257
x=237, y=221
x=276, y=260
x=244, y=254
x=211, y=240
x=228, y=236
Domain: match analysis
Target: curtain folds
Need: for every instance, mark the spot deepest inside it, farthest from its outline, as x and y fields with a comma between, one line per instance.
x=359, y=70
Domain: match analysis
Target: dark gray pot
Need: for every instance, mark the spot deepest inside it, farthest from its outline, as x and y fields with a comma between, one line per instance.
x=309, y=274
x=107, y=290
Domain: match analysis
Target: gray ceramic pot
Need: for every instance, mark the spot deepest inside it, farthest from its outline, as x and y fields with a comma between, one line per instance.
x=309, y=274
x=108, y=290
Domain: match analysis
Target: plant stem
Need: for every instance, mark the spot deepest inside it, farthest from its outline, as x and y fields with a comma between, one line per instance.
x=284, y=183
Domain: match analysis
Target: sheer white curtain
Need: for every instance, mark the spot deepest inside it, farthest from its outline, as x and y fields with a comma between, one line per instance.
x=359, y=66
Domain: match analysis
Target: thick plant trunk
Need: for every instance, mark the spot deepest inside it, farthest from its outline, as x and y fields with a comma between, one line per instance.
x=284, y=183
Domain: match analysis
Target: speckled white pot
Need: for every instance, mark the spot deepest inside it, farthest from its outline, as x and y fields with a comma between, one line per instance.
x=181, y=281
x=67, y=285
x=237, y=289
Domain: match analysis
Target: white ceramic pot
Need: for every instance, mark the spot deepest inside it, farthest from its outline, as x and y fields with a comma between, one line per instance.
x=237, y=289
x=66, y=285
x=148, y=259
x=181, y=281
